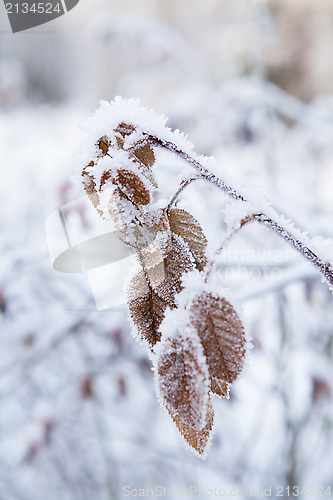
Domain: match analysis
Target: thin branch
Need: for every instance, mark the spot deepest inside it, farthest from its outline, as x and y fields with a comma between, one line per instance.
x=181, y=188
x=226, y=242
x=325, y=268
x=204, y=172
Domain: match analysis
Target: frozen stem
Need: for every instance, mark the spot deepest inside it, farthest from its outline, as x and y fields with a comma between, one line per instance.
x=324, y=267
x=227, y=240
x=181, y=188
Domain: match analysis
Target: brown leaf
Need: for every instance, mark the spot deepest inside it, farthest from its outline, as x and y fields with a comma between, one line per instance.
x=132, y=187
x=182, y=378
x=125, y=199
x=151, y=239
x=177, y=262
x=144, y=158
x=89, y=186
x=187, y=227
x=158, y=242
x=145, y=171
x=222, y=336
x=220, y=388
x=136, y=236
x=142, y=155
x=103, y=144
x=198, y=440
x=153, y=290
x=146, y=308
x=145, y=155
x=125, y=129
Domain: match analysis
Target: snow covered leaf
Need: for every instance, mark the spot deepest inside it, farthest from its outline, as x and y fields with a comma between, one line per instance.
x=177, y=262
x=150, y=238
x=220, y=388
x=156, y=275
x=145, y=155
x=144, y=167
x=129, y=170
x=197, y=439
x=154, y=289
x=182, y=378
x=222, y=336
x=129, y=186
x=103, y=144
x=132, y=187
x=187, y=227
x=89, y=186
x=146, y=308
x=136, y=236
x=125, y=129
x=119, y=209
x=142, y=155
x=120, y=196
x=158, y=242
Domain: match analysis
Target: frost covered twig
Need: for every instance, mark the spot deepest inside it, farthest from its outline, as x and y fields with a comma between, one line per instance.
x=181, y=188
x=195, y=335
x=226, y=241
x=324, y=267
x=203, y=172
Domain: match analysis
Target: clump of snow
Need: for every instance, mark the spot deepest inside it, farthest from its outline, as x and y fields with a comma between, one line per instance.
x=184, y=346
x=111, y=114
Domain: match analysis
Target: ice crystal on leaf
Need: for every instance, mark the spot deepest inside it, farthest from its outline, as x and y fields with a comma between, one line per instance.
x=198, y=440
x=222, y=336
x=177, y=262
x=155, y=289
x=182, y=378
x=146, y=308
x=188, y=228
x=208, y=319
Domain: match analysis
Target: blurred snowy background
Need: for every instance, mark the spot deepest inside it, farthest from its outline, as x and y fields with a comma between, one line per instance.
x=249, y=81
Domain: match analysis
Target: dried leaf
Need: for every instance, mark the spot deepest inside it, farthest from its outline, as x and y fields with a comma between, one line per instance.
x=151, y=240
x=113, y=205
x=142, y=155
x=158, y=244
x=156, y=275
x=90, y=187
x=222, y=336
x=177, y=262
x=149, y=297
x=187, y=227
x=146, y=308
x=123, y=201
x=139, y=287
x=220, y=388
x=136, y=236
x=103, y=144
x=152, y=255
x=198, y=440
x=132, y=187
x=128, y=192
x=145, y=155
x=182, y=378
x=125, y=129
x=146, y=171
